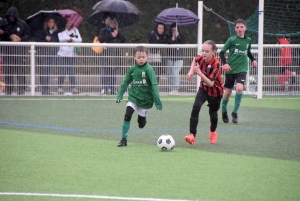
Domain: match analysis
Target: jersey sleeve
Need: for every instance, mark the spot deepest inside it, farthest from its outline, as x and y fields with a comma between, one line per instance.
x=227, y=45
x=155, y=89
x=127, y=80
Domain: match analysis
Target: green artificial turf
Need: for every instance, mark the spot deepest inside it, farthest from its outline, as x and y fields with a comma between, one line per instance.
x=68, y=146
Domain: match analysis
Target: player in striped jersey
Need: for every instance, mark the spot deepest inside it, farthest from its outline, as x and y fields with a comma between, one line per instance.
x=207, y=66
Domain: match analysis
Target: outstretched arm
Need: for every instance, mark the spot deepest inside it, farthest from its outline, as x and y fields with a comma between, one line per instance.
x=127, y=80
x=191, y=71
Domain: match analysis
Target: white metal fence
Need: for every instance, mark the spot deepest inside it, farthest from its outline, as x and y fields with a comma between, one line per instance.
x=36, y=69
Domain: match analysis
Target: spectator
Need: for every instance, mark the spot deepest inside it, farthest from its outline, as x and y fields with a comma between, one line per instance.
x=67, y=55
x=157, y=36
x=48, y=34
x=15, y=30
x=174, y=59
x=110, y=60
x=1, y=30
x=285, y=60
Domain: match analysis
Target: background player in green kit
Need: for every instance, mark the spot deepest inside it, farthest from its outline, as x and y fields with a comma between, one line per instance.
x=236, y=69
x=142, y=93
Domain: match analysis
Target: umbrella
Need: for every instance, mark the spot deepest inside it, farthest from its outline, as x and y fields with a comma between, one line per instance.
x=180, y=16
x=77, y=18
x=125, y=12
x=37, y=20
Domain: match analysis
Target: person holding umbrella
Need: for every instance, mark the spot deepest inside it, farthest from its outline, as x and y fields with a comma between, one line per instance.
x=157, y=36
x=48, y=34
x=110, y=58
x=174, y=59
x=67, y=55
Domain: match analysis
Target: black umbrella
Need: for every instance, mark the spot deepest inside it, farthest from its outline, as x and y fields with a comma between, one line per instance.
x=37, y=20
x=125, y=12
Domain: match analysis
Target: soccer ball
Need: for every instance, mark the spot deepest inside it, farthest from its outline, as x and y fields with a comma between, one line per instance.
x=166, y=142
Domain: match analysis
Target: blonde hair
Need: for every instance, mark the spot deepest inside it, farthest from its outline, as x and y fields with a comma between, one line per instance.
x=109, y=19
x=46, y=24
x=212, y=43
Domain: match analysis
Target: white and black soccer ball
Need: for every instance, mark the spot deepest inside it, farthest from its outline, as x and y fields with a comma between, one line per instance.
x=166, y=142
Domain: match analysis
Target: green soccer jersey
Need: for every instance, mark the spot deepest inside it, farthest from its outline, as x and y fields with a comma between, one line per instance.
x=238, y=53
x=144, y=90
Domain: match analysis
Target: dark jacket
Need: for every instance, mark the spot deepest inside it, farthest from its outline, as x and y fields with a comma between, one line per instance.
x=105, y=36
x=175, y=53
x=21, y=29
x=41, y=37
x=155, y=38
x=2, y=28
x=18, y=26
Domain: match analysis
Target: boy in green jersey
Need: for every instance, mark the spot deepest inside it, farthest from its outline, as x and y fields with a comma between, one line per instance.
x=236, y=69
x=142, y=93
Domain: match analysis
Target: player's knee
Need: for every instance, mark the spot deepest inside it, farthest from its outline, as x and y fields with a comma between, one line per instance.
x=195, y=111
x=142, y=121
x=127, y=117
x=128, y=114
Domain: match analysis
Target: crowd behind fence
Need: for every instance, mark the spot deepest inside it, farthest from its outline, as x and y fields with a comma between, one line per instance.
x=26, y=68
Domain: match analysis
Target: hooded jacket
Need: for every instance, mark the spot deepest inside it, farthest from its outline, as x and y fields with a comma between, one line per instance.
x=18, y=26
x=2, y=28
x=155, y=38
x=175, y=53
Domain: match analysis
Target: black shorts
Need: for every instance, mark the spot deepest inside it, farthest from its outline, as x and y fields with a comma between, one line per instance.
x=213, y=102
x=230, y=79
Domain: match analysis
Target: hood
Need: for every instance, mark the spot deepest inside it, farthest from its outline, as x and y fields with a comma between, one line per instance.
x=12, y=11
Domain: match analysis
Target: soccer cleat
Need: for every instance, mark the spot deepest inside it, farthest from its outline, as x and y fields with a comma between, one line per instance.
x=190, y=139
x=225, y=117
x=234, y=118
x=213, y=137
x=122, y=143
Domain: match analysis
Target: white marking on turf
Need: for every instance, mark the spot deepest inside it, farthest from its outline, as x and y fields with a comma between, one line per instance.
x=88, y=196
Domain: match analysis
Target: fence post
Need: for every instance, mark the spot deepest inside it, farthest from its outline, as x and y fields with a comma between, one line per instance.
x=32, y=70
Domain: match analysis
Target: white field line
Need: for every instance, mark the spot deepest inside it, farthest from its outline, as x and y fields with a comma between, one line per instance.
x=87, y=196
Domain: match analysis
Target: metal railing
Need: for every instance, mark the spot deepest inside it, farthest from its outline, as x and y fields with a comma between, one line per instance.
x=31, y=68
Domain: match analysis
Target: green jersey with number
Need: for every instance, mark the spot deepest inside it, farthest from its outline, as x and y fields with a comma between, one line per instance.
x=144, y=90
x=238, y=53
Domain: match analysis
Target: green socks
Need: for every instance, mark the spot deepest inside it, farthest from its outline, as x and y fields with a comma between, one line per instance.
x=237, y=102
x=125, y=128
x=224, y=105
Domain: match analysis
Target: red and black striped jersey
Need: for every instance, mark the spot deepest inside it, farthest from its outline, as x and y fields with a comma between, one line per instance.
x=211, y=70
